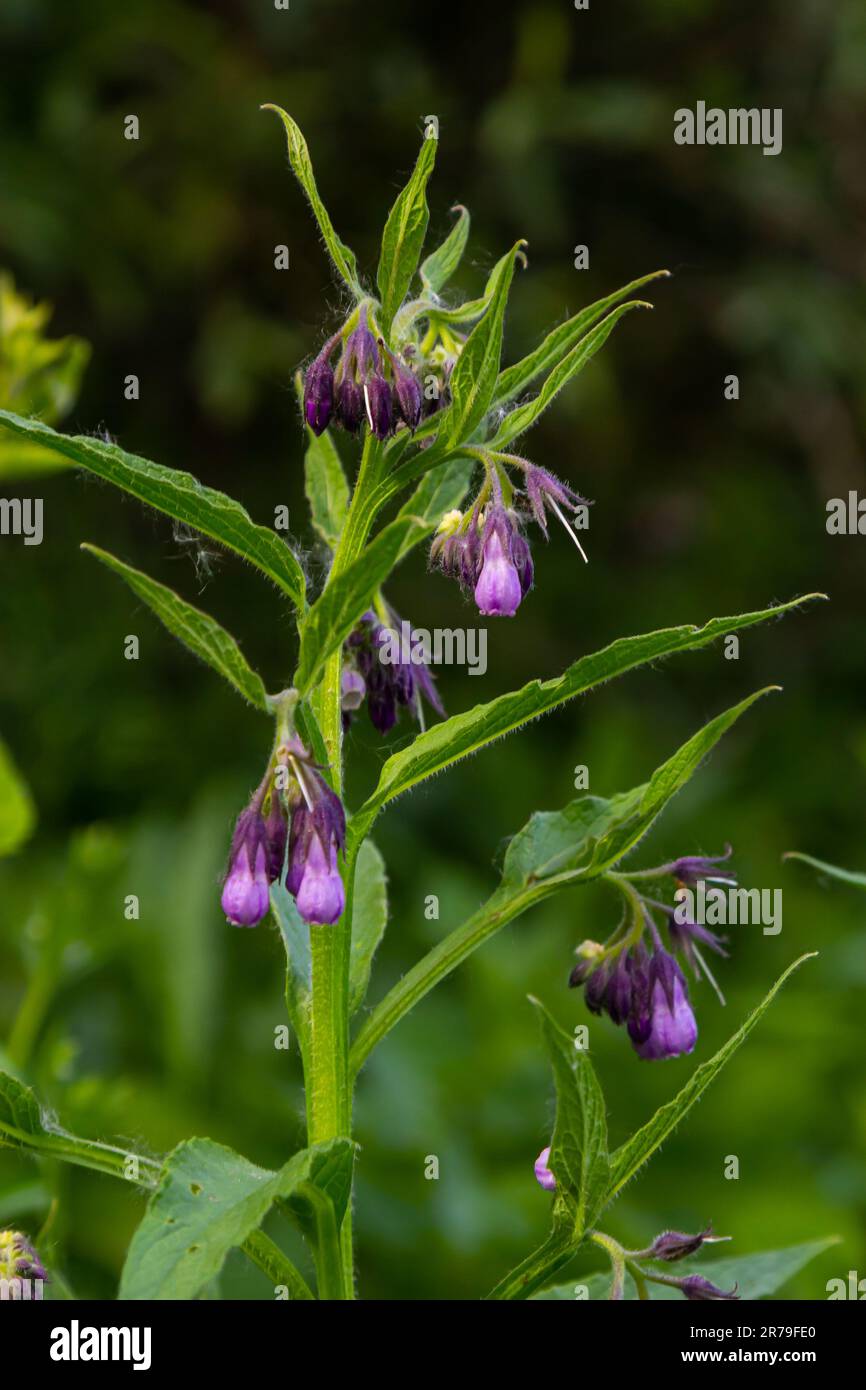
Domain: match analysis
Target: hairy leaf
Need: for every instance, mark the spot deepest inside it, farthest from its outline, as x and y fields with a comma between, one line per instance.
x=403, y=236
x=179, y=495
x=634, y=1153
x=299, y=962
x=462, y=734
x=369, y=919
x=326, y=486
x=554, y=850
x=209, y=1200
x=302, y=167
x=514, y=380
x=196, y=630
x=474, y=377
x=578, y=1149
x=441, y=264
x=519, y=420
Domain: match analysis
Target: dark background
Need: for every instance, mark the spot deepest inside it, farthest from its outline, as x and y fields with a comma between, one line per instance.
x=556, y=126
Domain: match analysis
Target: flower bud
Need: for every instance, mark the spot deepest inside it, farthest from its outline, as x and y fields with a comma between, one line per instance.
x=543, y=1175
x=498, y=590
x=319, y=391
x=18, y=1259
x=377, y=394
x=674, y=1245
x=698, y=1289
x=245, y=895
x=320, y=897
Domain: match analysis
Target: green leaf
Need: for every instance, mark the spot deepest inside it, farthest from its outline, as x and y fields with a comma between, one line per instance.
x=343, y=600
x=302, y=167
x=462, y=734
x=632, y=1155
x=578, y=1149
x=17, y=811
x=519, y=420
x=554, y=850
x=403, y=236
x=179, y=495
x=299, y=962
x=196, y=630
x=326, y=486
x=25, y=1124
x=759, y=1275
x=831, y=870
x=369, y=919
x=209, y=1200
x=441, y=264
x=591, y=835
x=276, y=1266
x=474, y=377
x=514, y=380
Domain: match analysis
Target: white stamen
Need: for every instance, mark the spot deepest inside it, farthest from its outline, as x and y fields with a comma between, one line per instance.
x=709, y=974
x=573, y=534
x=367, y=404
x=300, y=776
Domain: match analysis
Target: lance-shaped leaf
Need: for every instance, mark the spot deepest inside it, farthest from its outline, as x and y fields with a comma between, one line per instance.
x=441, y=264
x=635, y=1152
x=474, y=376
x=196, y=630
x=578, y=1149
x=519, y=420
x=514, y=380
x=466, y=733
x=26, y=1124
x=759, y=1275
x=369, y=919
x=403, y=236
x=179, y=495
x=553, y=851
x=343, y=600
x=209, y=1200
x=591, y=835
x=302, y=168
x=17, y=812
x=854, y=880
x=299, y=962
x=326, y=486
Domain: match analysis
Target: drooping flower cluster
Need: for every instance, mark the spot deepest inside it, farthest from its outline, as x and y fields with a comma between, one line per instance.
x=485, y=548
x=368, y=383
x=18, y=1259
x=636, y=981
x=292, y=806
x=386, y=664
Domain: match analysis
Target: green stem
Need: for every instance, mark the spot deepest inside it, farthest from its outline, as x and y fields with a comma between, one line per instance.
x=32, y=1011
x=616, y=1255
x=328, y=1087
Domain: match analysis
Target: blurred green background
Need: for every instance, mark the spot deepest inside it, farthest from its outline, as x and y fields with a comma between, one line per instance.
x=556, y=126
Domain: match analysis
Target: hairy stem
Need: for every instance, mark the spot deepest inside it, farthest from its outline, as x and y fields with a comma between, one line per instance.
x=328, y=1086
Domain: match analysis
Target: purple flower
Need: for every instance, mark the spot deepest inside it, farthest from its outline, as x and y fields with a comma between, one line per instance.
x=245, y=894
x=391, y=662
x=380, y=410
x=317, y=832
x=320, y=897
x=353, y=688
x=18, y=1259
x=698, y=1289
x=674, y=1245
x=497, y=592
x=673, y=1030
x=543, y=1175
x=407, y=393
x=692, y=868
x=350, y=404
x=319, y=390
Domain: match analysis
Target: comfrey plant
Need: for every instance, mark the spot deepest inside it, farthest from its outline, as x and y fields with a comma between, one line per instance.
x=416, y=378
